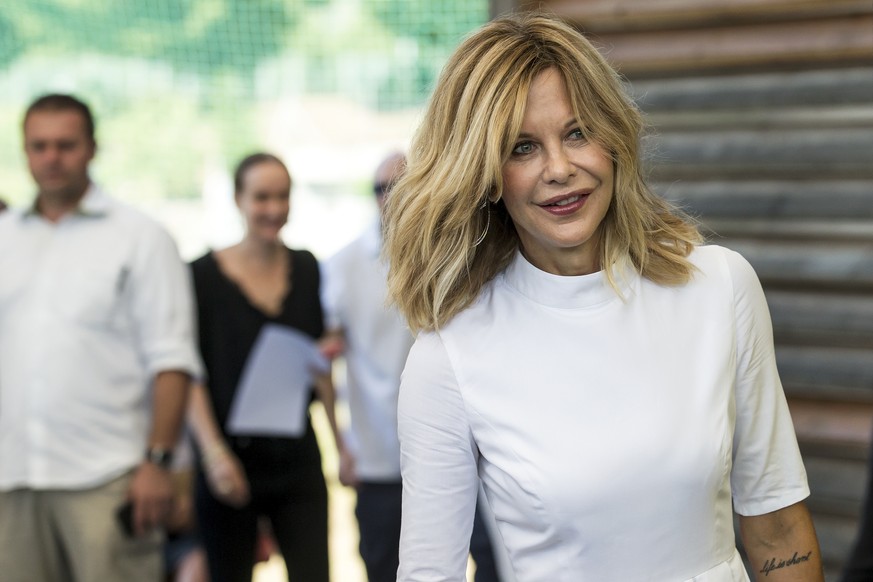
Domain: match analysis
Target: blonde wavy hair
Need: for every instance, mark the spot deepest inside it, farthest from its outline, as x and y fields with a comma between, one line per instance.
x=450, y=193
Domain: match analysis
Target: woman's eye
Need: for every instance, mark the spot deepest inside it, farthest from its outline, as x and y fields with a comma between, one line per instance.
x=523, y=148
x=576, y=134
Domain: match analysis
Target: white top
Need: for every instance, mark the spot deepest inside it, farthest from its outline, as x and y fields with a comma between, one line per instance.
x=377, y=341
x=610, y=436
x=91, y=308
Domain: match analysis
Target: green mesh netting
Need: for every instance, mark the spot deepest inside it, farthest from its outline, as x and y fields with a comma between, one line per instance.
x=174, y=82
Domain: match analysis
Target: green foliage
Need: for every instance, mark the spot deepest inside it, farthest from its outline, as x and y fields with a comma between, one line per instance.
x=11, y=46
x=446, y=23
x=174, y=83
x=433, y=39
x=204, y=36
x=15, y=187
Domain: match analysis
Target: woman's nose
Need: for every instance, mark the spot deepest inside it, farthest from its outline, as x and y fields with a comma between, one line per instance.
x=558, y=168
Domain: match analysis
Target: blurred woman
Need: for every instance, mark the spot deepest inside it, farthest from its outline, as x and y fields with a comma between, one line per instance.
x=241, y=289
x=610, y=380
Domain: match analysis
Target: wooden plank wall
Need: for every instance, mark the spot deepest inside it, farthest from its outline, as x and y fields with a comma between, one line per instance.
x=762, y=113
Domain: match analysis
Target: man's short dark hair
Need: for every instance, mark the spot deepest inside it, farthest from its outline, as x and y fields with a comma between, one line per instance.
x=62, y=102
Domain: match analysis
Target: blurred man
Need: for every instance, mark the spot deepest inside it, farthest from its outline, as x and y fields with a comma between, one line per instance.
x=96, y=350
x=375, y=342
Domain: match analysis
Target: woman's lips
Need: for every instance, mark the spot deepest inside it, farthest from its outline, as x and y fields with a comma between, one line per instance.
x=564, y=205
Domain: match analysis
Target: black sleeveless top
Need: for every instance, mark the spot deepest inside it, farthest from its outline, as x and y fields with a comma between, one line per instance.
x=229, y=325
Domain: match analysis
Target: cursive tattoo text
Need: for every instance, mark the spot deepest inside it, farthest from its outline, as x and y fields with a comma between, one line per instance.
x=772, y=564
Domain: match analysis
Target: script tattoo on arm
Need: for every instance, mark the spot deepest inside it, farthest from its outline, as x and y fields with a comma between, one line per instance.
x=773, y=564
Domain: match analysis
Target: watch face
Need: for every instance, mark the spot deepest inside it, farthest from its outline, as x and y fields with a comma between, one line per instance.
x=159, y=456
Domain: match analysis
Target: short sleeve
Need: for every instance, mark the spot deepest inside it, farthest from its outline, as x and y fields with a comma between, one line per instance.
x=162, y=306
x=199, y=273
x=438, y=463
x=768, y=472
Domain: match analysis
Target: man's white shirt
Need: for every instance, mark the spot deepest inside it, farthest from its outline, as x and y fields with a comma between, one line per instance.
x=91, y=309
x=354, y=293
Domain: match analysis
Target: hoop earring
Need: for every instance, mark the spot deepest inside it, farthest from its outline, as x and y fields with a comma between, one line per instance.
x=487, y=223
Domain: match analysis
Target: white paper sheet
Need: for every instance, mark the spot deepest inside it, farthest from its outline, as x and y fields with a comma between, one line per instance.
x=274, y=387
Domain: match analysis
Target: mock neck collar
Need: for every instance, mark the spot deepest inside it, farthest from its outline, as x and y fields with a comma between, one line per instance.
x=565, y=292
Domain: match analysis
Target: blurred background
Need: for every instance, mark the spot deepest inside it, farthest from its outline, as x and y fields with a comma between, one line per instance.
x=182, y=89
x=761, y=116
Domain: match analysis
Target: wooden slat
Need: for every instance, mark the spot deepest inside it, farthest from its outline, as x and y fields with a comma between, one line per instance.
x=816, y=154
x=794, y=118
x=826, y=505
x=858, y=452
x=841, y=423
x=786, y=230
x=500, y=7
x=842, y=482
x=608, y=15
x=819, y=371
x=837, y=265
x=823, y=319
x=770, y=91
x=804, y=45
x=778, y=199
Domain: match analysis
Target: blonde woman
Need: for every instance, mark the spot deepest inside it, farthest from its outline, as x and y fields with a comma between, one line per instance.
x=609, y=379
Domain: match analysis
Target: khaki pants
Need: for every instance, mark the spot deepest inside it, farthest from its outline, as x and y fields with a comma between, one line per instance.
x=73, y=536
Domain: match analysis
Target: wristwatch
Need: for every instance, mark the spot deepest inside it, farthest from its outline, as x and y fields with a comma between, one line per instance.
x=159, y=456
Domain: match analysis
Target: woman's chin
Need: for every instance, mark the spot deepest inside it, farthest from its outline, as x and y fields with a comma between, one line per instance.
x=267, y=236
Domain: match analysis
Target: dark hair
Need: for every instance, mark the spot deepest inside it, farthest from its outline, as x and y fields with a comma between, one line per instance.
x=62, y=102
x=250, y=161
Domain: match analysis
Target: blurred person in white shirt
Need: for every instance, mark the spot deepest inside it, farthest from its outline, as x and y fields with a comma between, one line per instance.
x=96, y=353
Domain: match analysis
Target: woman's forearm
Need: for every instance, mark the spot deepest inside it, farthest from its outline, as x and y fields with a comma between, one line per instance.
x=782, y=545
x=327, y=394
x=202, y=421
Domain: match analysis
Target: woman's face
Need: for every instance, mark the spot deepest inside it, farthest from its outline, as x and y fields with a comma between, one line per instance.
x=265, y=200
x=557, y=186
